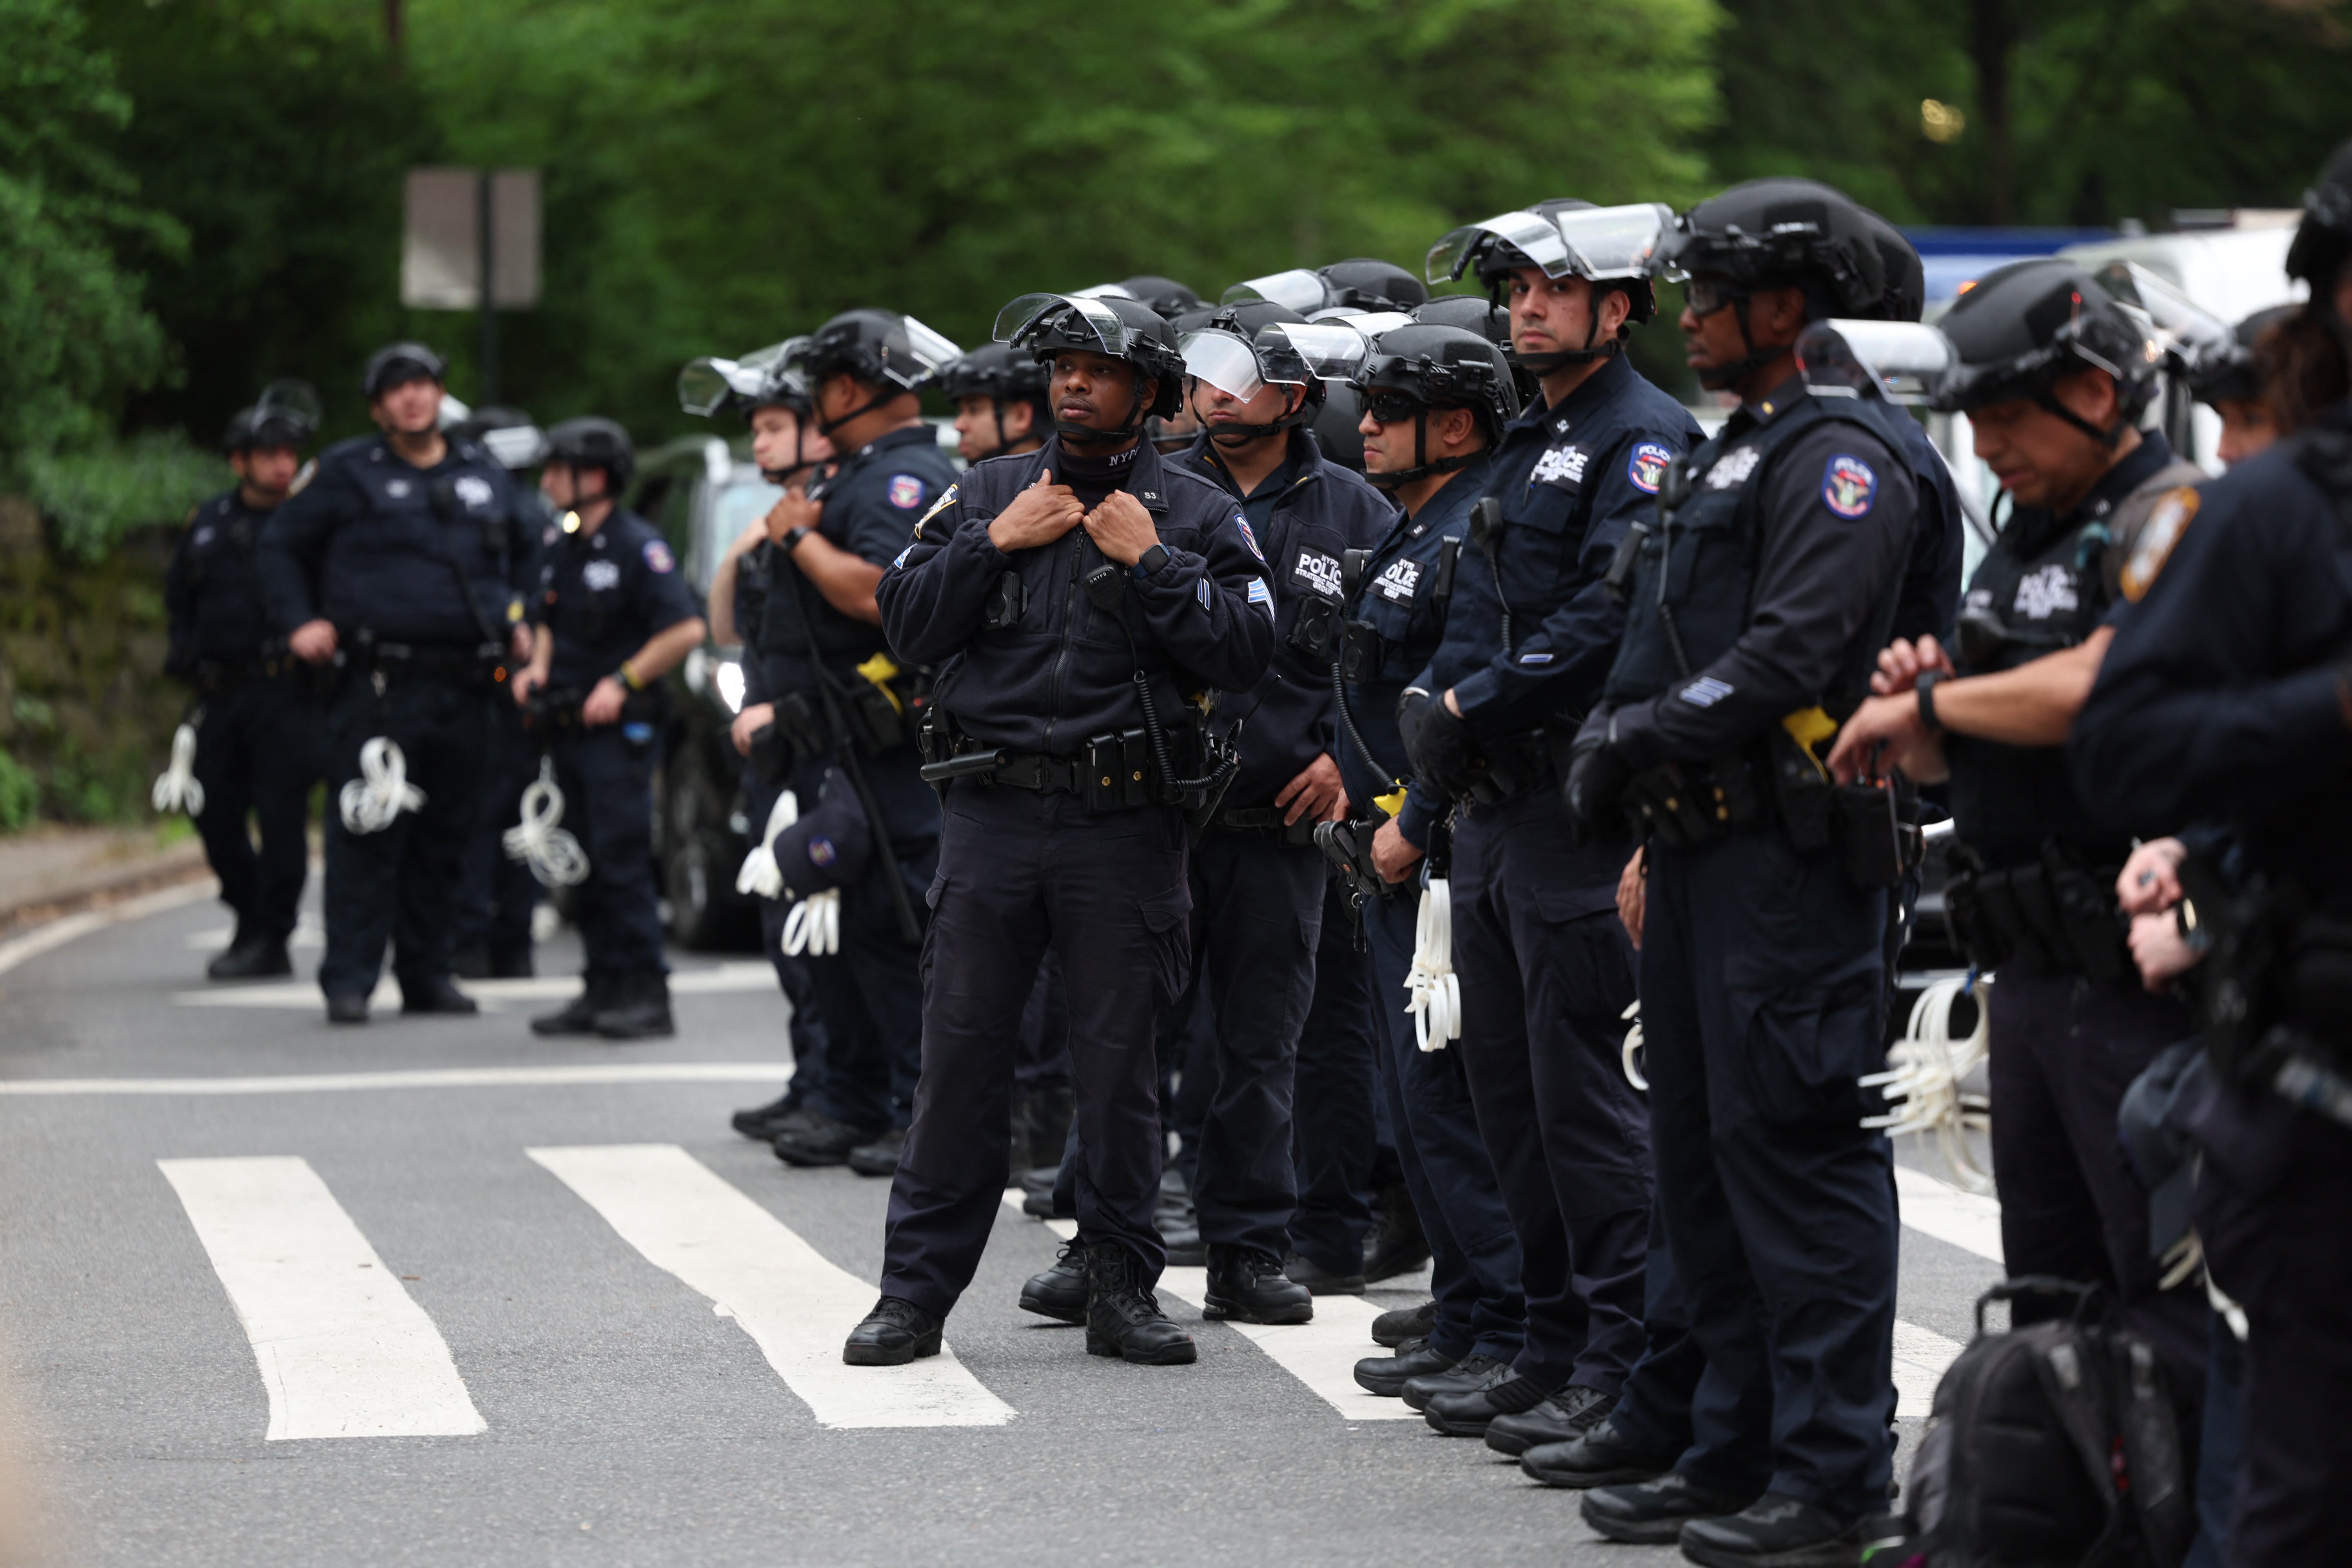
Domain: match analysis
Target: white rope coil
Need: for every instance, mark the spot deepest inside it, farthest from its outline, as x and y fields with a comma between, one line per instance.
x=759, y=877
x=1923, y=1077
x=177, y=787
x=371, y=802
x=553, y=853
x=1633, y=1048
x=1436, y=1004
x=814, y=926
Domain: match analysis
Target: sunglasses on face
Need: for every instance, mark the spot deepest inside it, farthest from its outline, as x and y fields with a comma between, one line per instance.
x=1706, y=296
x=1388, y=408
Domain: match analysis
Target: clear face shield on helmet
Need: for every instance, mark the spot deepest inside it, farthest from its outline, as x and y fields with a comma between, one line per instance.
x=1073, y=316
x=1902, y=362
x=1532, y=234
x=1599, y=243
x=2184, y=332
x=1372, y=324
x=1297, y=290
x=765, y=376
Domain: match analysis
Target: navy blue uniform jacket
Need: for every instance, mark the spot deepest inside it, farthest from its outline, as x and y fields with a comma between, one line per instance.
x=603, y=595
x=1064, y=671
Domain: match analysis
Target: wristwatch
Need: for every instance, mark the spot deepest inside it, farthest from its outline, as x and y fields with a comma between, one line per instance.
x=1926, y=686
x=1150, y=562
x=792, y=537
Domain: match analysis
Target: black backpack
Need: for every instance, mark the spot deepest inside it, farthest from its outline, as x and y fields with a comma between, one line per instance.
x=2053, y=1446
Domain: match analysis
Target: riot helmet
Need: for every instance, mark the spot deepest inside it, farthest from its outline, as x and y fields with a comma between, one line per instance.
x=2232, y=372
x=1044, y=325
x=768, y=377
x=285, y=415
x=1415, y=368
x=1904, y=298
x=1165, y=295
x=397, y=363
x=1778, y=233
x=2323, y=240
x=594, y=443
x=994, y=372
x=1480, y=315
x=1611, y=248
x=513, y=441
x=2026, y=326
x=1363, y=283
x=892, y=353
x=1228, y=353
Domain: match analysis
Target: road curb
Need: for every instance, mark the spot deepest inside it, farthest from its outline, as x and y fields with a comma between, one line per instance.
x=182, y=864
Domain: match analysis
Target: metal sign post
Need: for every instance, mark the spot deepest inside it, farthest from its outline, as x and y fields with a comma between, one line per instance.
x=466, y=227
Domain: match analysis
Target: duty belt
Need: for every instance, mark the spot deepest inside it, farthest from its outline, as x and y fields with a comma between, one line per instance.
x=464, y=661
x=1266, y=820
x=2057, y=913
x=1046, y=774
x=215, y=677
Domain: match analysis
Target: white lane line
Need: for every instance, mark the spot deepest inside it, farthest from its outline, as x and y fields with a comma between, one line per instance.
x=57, y=934
x=731, y=977
x=1322, y=1354
x=343, y=1350
x=420, y=1078
x=1965, y=1220
x=1921, y=1357
x=309, y=933
x=796, y=1306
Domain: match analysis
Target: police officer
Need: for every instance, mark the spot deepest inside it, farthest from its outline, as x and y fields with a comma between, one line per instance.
x=844, y=708
x=2053, y=375
x=2226, y=697
x=496, y=896
x=1436, y=399
x=614, y=616
x=774, y=398
x=398, y=566
x=1759, y=594
x=1000, y=403
x=1085, y=594
x=2230, y=381
x=1545, y=969
x=1258, y=882
x=256, y=723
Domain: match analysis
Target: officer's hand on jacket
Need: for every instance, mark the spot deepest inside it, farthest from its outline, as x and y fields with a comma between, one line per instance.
x=520, y=642
x=1443, y=752
x=2150, y=880
x=1122, y=528
x=1393, y=855
x=1634, y=893
x=792, y=509
x=1901, y=664
x=749, y=724
x=1597, y=776
x=1315, y=794
x=313, y=642
x=603, y=705
x=1038, y=515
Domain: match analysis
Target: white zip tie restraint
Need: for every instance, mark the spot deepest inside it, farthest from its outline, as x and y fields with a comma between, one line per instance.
x=1633, y=1048
x=552, y=852
x=177, y=787
x=814, y=927
x=382, y=792
x=759, y=877
x=1436, y=1004
x=1922, y=1081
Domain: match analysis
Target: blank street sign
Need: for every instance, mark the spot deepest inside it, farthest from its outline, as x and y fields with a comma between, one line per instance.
x=441, y=246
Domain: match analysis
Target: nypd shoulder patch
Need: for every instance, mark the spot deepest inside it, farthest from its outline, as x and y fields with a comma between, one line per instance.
x=947, y=499
x=1848, y=487
x=907, y=491
x=1247, y=537
x=658, y=556
x=2162, y=530
x=1645, y=470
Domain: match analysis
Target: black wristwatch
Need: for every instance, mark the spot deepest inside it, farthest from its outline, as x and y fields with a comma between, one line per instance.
x=1149, y=564
x=1926, y=686
x=792, y=539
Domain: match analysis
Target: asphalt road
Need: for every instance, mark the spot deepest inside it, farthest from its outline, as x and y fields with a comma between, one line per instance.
x=614, y=1323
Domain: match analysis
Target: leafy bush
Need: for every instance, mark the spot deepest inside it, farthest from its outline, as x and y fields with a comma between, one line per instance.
x=95, y=496
x=20, y=793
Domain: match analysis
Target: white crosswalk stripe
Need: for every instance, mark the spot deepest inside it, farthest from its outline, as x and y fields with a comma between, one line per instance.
x=1322, y=1354
x=796, y=1305
x=730, y=977
x=343, y=1351
x=1969, y=1221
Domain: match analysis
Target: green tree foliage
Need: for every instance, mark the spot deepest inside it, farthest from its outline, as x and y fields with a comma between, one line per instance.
x=2070, y=111
x=74, y=336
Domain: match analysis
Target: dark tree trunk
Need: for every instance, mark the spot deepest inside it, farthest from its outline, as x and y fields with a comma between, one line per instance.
x=1993, y=32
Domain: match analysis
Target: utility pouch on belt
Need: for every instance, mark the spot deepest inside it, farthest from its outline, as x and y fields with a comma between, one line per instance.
x=876, y=712
x=1802, y=788
x=772, y=755
x=1870, y=833
x=1118, y=771
x=2055, y=914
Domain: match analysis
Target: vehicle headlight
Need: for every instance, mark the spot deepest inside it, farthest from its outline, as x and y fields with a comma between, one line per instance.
x=729, y=677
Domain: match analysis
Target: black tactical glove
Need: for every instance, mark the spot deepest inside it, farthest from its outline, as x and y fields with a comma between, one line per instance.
x=1595, y=791
x=1444, y=754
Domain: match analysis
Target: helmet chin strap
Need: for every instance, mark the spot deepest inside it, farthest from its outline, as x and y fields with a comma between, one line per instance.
x=1423, y=465
x=1544, y=365
x=802, y=462
x=2047, y=401
x=1241, y=435
x=1719, y=378
x=827, y=426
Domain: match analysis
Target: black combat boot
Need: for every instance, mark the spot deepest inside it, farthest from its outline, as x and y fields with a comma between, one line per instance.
x=1247, y=1284
x=880, y=1158
x=822, y=1142
x=1060, y=1292
x=764, y=1121
x=1319, y=1280
x=1394, y=1326
x=1397, y=1245
x=1599, y=1459
x=1563, y=1418
x=1123, y=1317
x=436, y=993
x=1386, y=1375
x=1776, y=1531
x=254, y=955
x=894, y=1333
x=578, y=1016
x=639, y=1009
